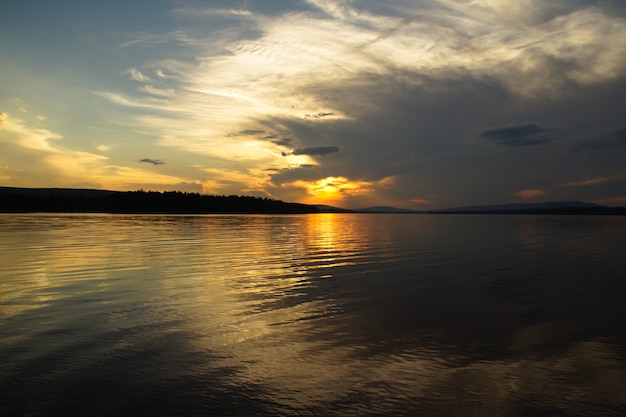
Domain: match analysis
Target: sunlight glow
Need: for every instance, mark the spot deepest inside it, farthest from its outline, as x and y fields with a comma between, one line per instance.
x=332, y=190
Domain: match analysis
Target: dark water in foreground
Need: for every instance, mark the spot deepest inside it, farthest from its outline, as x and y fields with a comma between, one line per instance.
x=433, y=315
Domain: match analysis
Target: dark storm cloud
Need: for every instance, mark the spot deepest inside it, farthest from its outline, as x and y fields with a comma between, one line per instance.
x=283, y=142
x=277, y=140
x=152, y=161
x=318, y=115
x=316, y=150
x=614, y=140
x=518, y=135
x=620, y=137
x=417, y=132
x=247, y=132
x=512, y=132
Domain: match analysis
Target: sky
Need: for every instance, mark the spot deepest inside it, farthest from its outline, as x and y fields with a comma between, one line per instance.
x=418, y=104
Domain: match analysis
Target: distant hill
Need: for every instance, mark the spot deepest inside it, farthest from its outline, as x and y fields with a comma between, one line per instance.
x=519, y=206
x=552, y=207
x=384, y=209
x=74, y=200
x=330, y=209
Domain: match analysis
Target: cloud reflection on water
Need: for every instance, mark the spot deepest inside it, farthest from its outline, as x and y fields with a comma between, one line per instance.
x=320, y=314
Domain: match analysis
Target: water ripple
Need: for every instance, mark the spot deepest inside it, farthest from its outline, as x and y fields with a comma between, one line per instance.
x=311, y=315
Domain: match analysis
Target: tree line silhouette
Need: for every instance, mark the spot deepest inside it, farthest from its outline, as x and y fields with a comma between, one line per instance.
x=144, y=202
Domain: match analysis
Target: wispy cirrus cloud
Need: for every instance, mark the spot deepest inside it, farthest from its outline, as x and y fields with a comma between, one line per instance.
x=135, y=74
x=592, y=181
x=204, y=12
x=150, y=103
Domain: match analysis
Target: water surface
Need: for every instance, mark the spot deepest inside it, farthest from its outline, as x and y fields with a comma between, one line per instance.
x=329, y=314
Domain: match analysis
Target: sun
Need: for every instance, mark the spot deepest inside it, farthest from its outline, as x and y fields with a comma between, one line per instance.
x=332, y=190
x=329, y=186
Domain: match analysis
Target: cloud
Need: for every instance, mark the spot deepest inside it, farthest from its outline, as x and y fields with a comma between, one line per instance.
x=104, y=148
x=316, y=150
x=592, y=181
x=620, y=136
x=399, y=84
x=517, y=135
x=249, y=132
x=200, y=12
x=529, y=193
x=159, y=92
x=613, y=140
x=421, y=201
x=283, y=142
x=35, y=157
x=152, y=103
x=246, y=132
x=192, y=187
x=612, y=201
x=152, y=161
x=318, y=115
x=339, y=191
x=136, y=75
x=3, y=118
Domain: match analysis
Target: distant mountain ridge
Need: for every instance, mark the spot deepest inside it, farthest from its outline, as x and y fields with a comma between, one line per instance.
x=16, y=199
x=384, y=209
x=520, y=206
x=323, y=208
x=552, y=207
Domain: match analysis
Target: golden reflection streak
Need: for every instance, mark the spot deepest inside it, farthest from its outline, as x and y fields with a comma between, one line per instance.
x=268, y=272
x=272, y=321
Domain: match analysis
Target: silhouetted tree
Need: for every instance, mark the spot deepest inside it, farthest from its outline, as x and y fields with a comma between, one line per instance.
x=146, y=202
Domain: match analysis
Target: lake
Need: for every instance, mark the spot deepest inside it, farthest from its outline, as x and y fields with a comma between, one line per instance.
x=321, y=314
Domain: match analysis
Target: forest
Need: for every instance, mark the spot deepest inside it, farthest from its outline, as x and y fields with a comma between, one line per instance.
x=95, y=201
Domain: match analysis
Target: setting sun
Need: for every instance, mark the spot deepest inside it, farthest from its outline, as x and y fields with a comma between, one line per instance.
x=333, y=190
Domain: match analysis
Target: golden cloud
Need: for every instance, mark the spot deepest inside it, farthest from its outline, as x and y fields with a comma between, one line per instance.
x=591, y=181
x=529, y=194
x=421, y=201
x=31, y=153
x=612, y=201
x=339, y=190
